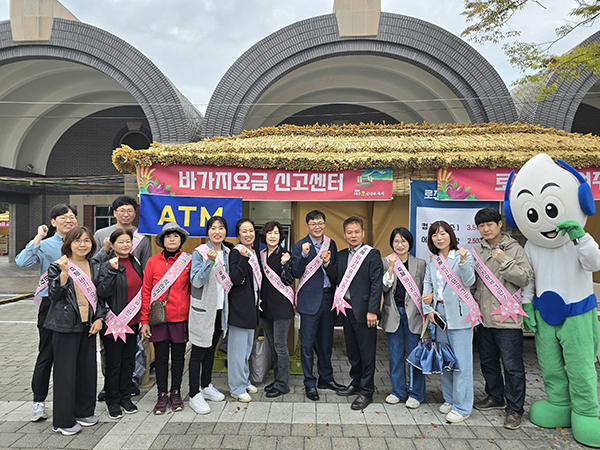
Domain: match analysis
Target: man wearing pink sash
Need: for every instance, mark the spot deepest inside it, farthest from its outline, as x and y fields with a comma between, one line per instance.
x=358, y=275
x=500, y=263
x=314, y=298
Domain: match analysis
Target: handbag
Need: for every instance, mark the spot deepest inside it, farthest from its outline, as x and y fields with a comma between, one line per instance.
x=261, y=359
x=158, y=314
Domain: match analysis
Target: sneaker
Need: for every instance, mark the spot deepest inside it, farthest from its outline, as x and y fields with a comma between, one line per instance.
x=68, y=431
x=244, y=398
x=412, y=403
x=114, y=411
x=212, y=394
x=198, y=404
x=128, y=406
x=161, y=404
x=87, y=421
x=38, y=411
x=445, y=408
x=392, y=399
x=455, y=417
x=251, y=389
x=488, y=404
x=176, y=401
x=512, y=420
x=102, y=396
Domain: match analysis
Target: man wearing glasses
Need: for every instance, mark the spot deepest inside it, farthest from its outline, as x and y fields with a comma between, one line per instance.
x=314, y=299
x=44, y=251
x=124, y=209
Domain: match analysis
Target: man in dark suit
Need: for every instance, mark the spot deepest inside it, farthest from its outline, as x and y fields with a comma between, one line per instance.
x=360, y=285
x=314, y=300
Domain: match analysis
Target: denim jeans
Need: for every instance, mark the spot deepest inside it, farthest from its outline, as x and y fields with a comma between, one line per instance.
x=276, y=332
x=397, y=341
x=239, y=348
x=506, y=344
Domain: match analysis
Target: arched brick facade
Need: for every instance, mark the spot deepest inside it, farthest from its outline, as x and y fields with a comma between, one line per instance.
x=171, y=116
x=444, y=55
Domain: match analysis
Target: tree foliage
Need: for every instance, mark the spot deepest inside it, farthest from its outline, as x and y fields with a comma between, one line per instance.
x=536, y=61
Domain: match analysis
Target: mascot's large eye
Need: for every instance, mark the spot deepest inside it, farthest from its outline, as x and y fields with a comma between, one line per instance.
x=532, y=215
x=551, y=210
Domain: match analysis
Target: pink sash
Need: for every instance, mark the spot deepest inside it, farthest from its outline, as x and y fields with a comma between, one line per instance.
x=253, y=260
x=338, y=299
x=461, y=290
x=84, y=283
x=287, y=291
x=510, y=305
x=409, y=284
x=137, y=239
x=314, y=265
x=218, y=269
x=43, y=283
x=118, y=326
x=171, y=276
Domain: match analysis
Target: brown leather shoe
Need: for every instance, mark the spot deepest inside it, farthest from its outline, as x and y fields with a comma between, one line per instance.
x=361, y=402
x=350, y=390
x=512, y=420
x=488, y=404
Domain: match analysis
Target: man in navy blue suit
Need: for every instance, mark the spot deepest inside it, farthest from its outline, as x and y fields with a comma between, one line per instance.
x=310, y=257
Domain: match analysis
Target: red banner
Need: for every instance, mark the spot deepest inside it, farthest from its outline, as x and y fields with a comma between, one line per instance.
x=266, y=184
x=489, y=184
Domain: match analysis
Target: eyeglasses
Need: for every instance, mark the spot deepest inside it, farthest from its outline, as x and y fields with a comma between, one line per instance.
x=85, y=241
x=129, y=211
x=316, y=224
x=65, y=218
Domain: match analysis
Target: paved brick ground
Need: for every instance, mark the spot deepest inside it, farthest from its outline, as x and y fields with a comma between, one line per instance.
x=288, y=422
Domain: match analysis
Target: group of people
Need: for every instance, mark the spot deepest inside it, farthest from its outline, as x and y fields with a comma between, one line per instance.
x=110, y=284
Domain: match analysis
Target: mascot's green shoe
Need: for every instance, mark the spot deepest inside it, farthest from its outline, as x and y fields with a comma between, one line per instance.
x=547, y=415
x=586, y=430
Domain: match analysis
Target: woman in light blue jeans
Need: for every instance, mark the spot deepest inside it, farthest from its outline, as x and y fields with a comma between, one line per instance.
x=440, y=299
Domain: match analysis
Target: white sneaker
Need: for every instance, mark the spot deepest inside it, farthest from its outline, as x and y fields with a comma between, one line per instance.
x=68, y=431
x=212, y=394
x=392, y=399
x=38, y=411
x=87, y=421
x=251, y=389
x=198, y=404
x=456, y=417
x=412, y=403
x=445, y=408
x=244, y=398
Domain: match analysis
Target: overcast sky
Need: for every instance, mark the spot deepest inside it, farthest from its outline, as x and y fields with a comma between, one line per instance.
x=194, y=42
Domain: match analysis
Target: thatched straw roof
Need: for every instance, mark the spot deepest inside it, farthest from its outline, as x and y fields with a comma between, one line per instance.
x=411, y=148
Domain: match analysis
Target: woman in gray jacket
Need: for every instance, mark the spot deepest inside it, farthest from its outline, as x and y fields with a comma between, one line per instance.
x=401, y=316
x=208, y=312
x=441, y=299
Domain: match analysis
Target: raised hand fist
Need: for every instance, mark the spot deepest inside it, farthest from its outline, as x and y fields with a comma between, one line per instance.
x=212, y=254
x=106, y=245
x=114, y=263
x=393, y=260
x=326, y=256
x=498, y=254
x=42, y=231
x=306, y=248
x=463, y=255
x=244, y=252
x=63, y=263
x=285, y=258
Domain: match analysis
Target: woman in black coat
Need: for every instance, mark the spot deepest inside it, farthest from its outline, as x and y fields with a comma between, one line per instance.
x=75, y=316
x=277, y=304
x=120, y=284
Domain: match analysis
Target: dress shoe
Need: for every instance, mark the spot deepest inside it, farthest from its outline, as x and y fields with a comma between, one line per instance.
x=350, y=390
x=269, y=387
x=512, y=420
x=333, y=385
x=312, y=394
x=488, y=404
x=361, y=402
x=276, y=393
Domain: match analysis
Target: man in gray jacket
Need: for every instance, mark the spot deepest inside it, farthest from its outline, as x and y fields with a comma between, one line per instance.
x=501, y=335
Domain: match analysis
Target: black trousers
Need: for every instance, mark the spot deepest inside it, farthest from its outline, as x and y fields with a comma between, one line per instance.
x=161, y=365
x=74, y=377
x=43, y=364
x=361, y=346
x=120, y=362
x=205, y=357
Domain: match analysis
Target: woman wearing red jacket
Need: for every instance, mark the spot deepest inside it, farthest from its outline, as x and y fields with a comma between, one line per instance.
x=172, y=287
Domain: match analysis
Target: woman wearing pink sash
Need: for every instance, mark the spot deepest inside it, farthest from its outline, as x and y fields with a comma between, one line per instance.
x=172, y=336
x=441, y=298
x=246, y=276
x=401, y=317
x=277, y=307
x=208, y=312
x=75, y=316
x=119, y=283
